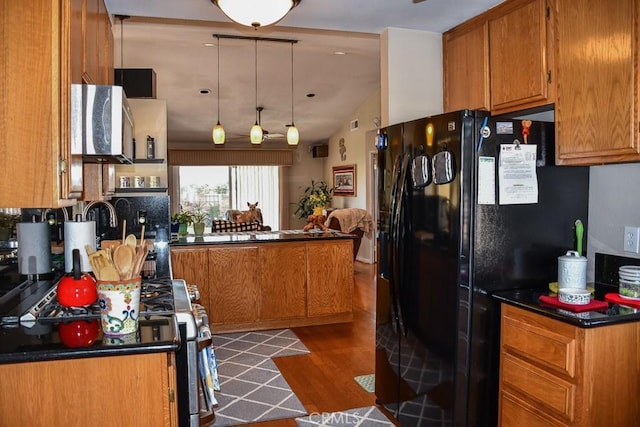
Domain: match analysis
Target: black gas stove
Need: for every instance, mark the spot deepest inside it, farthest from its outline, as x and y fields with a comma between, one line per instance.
x=26, y=300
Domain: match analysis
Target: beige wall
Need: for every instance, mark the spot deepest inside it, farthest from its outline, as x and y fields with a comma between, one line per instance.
x=410, y=75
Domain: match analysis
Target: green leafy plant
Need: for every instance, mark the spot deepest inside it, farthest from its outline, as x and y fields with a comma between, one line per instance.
x=199, y=216
x=182, y=217
x=318, y=194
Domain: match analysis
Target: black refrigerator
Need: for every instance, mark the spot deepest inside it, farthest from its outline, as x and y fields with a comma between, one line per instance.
x=448, y=239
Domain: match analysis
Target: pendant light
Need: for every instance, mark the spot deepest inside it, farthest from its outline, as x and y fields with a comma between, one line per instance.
x=218, y=131
x=255, y=135
x=255, y=13
x=293, y=136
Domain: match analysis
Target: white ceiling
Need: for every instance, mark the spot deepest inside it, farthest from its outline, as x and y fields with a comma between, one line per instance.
x=169, y=36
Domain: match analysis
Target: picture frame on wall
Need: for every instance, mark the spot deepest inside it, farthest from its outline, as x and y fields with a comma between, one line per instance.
x=344, y=180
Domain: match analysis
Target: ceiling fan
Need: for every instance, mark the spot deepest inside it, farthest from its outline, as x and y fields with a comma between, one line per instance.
x=265, y=133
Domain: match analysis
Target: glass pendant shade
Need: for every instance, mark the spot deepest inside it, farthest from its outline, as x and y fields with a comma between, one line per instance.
x=292, y=135
x=255, y=13
x=256, y=134
x=218, y=134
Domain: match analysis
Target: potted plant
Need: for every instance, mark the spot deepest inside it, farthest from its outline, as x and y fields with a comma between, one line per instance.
x=199, y=217
x=7, y=225
x=183, y=218
x=316, y=197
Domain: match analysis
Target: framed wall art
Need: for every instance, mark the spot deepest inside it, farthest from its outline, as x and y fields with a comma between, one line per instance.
x=344, y=180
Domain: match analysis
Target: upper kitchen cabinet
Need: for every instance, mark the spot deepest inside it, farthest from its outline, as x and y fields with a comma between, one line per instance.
x=466, y=66
x=500, y=60
x=97, y=68
x=597, y=56
x=38, y=63
x=519, y=55
x=98, y=44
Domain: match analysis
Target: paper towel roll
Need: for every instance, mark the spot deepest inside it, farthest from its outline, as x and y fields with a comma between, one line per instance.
x=77, y=235
x=34, y=248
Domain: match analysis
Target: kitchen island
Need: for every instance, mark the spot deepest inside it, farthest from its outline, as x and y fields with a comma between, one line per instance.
x=269, y=279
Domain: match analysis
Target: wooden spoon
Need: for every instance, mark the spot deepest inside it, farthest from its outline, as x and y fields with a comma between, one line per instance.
x=131, y=241
x=123, y=257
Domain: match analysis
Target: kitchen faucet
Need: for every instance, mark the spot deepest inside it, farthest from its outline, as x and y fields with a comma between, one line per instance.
x=113, y=217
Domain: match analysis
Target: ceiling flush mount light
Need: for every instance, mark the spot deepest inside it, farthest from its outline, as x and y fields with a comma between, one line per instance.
x=293, y=136
x=218, y=131
x=255, y=135
x=255, y=13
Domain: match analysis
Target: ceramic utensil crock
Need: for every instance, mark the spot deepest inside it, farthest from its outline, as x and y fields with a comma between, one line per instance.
x=572, y=271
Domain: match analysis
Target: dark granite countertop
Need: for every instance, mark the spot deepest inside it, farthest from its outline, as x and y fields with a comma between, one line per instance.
x=42, y=341
x=259, y=237
x=529, y=300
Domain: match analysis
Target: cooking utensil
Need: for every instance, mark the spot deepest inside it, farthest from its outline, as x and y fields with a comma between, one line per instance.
x=131, y=241
x=123, y=260
x=579, y=235
x=103, y=266
x=77, y=289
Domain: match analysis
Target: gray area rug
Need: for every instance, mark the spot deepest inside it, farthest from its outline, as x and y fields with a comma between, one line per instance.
x=369, y=416
x=252, y=389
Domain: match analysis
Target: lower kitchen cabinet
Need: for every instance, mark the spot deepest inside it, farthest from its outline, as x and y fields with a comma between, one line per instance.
x=248, y=286
x=128, y=390
x=326, y=291
x=556, y=374
x=283, y=268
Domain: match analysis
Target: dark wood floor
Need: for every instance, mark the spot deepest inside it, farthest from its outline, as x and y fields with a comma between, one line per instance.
x=323, y=379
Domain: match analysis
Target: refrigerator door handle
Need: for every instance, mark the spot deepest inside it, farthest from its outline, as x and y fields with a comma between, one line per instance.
x=401, y=225
x=392, y=242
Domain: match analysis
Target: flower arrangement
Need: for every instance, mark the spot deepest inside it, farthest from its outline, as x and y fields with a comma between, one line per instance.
x=317, y=195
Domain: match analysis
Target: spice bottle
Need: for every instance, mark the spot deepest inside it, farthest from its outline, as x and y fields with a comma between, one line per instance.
x=151, y=148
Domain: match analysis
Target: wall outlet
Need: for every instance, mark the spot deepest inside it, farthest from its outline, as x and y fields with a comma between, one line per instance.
x=631, y=242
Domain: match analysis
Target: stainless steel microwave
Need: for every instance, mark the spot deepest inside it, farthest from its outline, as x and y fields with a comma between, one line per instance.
x=101, y=124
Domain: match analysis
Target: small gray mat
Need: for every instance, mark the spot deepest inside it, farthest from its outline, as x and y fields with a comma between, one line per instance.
x=369, y=416
x=367, y=382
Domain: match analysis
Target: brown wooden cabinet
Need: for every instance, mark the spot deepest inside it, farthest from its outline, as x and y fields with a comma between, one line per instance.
x=326, y=292
x=270, y=285
x=466, y=66
x=128, y=390
x=500, y=60
x=37, y=66
x=97, y=68
x=597, y=117
x=232, y=289
x=555, y=374
x=520, y=72
x=283, y=269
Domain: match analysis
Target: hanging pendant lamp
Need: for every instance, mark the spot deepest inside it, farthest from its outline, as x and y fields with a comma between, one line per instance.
x=293, y=136
x=255, y=13
x=255, y=135
x=218, y=133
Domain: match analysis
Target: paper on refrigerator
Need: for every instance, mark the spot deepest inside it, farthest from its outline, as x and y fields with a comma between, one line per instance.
x=517, y=176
